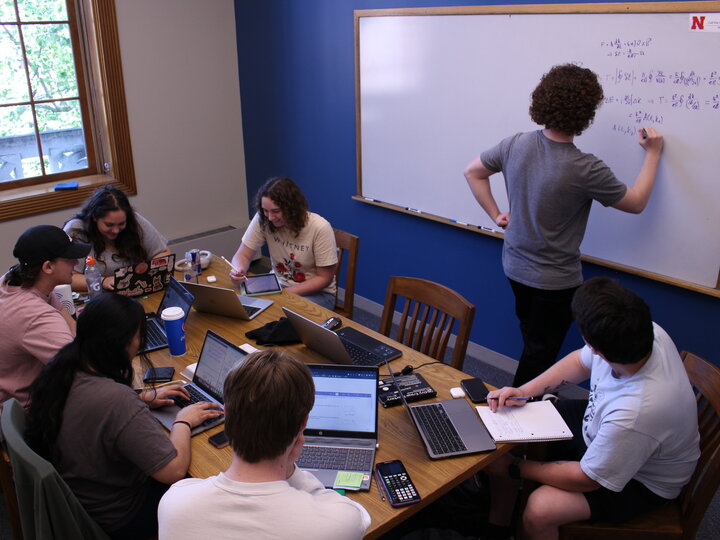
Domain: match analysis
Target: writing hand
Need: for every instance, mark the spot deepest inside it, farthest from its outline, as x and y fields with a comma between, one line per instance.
x=507, y=395
x=651, y=140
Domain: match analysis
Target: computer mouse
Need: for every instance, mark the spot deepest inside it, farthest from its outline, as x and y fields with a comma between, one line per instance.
x=332, y=323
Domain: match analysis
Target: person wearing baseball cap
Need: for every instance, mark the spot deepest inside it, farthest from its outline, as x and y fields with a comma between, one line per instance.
x=35, y=325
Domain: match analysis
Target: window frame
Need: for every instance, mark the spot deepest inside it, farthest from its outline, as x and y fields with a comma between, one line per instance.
x=103, y=83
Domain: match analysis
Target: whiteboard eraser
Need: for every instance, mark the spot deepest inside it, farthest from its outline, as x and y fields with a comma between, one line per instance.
x=211, y=279
x=457, y=392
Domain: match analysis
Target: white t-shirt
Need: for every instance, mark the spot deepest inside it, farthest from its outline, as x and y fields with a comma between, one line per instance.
x=218, y=507
x=644, y=426
x=295, y=258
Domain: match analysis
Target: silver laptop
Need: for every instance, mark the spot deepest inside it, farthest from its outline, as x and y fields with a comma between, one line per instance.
x=346, y=346
x=217, y=357
x=341, y=433
x=448, y=428
x=227, y=302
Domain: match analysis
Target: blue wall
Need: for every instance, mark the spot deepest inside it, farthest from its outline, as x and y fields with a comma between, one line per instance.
x=296, y=60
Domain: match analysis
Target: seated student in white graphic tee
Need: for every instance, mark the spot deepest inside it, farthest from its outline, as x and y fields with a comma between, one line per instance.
x=301, y=243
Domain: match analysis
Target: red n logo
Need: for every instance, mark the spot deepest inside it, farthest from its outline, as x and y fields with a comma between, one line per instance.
x=698, y=23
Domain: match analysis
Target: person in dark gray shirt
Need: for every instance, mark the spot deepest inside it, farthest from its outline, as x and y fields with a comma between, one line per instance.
x=551, y=185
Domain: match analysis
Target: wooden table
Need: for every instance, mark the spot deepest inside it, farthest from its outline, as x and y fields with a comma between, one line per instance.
x=397, y=436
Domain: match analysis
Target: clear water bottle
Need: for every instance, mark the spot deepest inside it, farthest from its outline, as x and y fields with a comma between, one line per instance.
x=93, y=277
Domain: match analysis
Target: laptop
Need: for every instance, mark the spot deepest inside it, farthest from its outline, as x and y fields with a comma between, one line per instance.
x=217, y=357
x=346, y=346
x=175, y=296
x=341, y=433
x=226, y=302
x=448, y=428
x=145, y=277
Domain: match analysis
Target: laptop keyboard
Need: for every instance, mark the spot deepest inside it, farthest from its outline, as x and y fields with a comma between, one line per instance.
x=360, y=356
x=154, y=336
x=195, y=397
x=439, y=431
x=342, y=459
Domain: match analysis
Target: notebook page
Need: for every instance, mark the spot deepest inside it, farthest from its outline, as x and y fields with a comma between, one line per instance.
x=536, y=421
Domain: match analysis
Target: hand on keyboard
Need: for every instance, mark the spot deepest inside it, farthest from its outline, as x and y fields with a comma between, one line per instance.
x=197, y=413
x=165, y=395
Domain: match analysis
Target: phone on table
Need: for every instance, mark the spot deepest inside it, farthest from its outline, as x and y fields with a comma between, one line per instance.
x=219, y=440
x=475, y=390
x=394, y=481
x=158, y=375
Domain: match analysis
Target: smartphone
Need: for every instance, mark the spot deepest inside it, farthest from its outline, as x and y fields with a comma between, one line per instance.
x=261, y=284
x=475, y=390
x=394, y=481
x=158, y=375
x=219, y=440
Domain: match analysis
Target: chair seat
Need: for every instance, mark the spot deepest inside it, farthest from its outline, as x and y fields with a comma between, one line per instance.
x=660, y=524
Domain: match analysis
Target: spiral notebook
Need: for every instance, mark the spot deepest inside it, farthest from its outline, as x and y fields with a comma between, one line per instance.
x=536, y=421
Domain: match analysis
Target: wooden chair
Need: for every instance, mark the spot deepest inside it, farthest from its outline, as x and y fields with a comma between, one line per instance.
x=347, y=244
x=428, y=317
x=681, y=518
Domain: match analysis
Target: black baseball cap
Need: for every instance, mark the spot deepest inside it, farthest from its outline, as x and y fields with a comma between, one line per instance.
x=45, y=243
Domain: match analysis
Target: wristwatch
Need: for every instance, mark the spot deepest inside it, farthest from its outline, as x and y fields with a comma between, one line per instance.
x=514, y=467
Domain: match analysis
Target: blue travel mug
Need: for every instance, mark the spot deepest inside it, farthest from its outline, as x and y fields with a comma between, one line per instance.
x=174, y=319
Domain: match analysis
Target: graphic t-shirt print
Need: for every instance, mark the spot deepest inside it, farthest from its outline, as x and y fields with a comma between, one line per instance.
x=290, y=269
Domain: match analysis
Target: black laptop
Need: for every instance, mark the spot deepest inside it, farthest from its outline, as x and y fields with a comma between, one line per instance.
x=175, y=296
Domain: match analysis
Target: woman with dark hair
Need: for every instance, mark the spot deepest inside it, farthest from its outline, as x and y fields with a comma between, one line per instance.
x=119, y=236
x=301, y=243
x=99, y=433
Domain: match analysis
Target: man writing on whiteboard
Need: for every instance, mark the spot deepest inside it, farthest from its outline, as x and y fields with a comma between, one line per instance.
x=636, y=441
x=551, y=185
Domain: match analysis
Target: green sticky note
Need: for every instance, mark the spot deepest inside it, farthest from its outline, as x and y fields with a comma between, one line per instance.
x=349, y=479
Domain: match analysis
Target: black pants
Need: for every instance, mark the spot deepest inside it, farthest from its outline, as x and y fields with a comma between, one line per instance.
x=545, y=317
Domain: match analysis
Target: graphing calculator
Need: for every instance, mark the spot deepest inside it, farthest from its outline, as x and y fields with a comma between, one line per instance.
x=394, y=481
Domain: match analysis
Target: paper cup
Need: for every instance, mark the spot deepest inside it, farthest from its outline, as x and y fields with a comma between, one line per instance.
x=174, y=319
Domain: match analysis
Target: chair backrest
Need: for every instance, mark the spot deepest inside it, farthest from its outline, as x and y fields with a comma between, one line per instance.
x=696, y=496
x=428, y=317
x=348, y=245
x=48, y=509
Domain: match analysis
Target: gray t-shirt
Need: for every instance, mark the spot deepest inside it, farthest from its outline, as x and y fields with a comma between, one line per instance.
x=109, y=444
x=108, y=261
x=550, y=186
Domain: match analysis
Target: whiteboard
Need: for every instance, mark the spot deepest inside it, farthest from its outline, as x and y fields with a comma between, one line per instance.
x=436, y=90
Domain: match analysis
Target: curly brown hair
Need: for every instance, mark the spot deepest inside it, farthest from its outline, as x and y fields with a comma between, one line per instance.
x=287, y=195
x=566, y=99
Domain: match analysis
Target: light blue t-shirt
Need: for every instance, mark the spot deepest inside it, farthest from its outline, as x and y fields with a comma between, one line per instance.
x=644, y=426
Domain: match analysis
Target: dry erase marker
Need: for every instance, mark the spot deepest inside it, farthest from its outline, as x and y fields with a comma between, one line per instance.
x=488, y=229
x=369, y=199
x=413, y=210
x=643, y=133
x=459, y=222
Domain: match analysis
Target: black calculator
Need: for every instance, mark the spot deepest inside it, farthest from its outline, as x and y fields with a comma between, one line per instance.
x=394, y=481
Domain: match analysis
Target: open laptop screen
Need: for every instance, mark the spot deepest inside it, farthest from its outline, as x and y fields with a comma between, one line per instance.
x=345, y=401
x=217, y=358
x=176, y=296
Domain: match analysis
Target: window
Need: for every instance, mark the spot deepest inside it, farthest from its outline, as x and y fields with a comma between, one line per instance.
x=62, y=104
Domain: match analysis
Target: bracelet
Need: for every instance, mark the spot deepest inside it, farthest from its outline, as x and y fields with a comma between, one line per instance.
x=182, y=422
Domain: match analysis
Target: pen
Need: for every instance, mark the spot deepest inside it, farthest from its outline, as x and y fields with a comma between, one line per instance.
x=513, y=398
x=231, y=265
x=380, y=490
